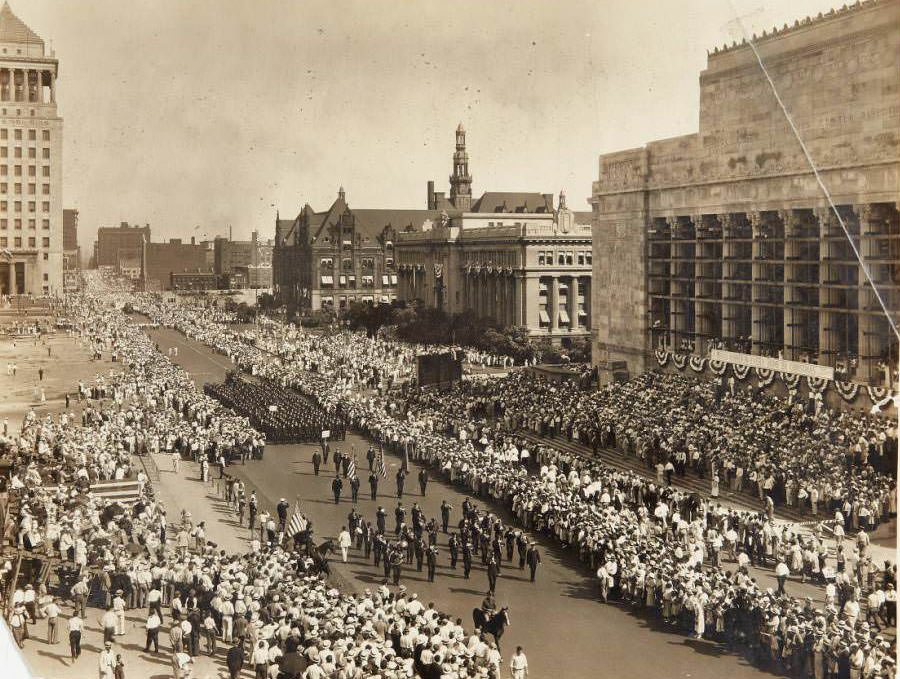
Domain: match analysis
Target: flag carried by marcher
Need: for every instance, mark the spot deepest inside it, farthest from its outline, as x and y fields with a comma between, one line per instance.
x=351, y=468
x=381, y=468
x=297, y=523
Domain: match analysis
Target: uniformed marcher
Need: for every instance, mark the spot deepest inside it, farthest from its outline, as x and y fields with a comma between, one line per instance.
x=380, y=519
x=467, y=559
x=373, y=485
x=493, y=570
x=533, y=557
x=431, y=557
x=317, y=461
x=423, y=480
x=401, y=477
x=370, y=457
x=445, y=514
x=453, y=546
x=336, y=487
x=354, y=488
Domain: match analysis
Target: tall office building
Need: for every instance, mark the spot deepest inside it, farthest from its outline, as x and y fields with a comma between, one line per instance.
x=31, y=209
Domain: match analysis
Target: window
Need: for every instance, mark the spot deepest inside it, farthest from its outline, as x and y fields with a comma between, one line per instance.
x=45, y=206
x=45, y=135
x=590, y=257
x=4, y=187
x=4, y=222
x=45, y=153
x=17, y=188
x=32, y=206
x=569, y=259
x=17, y=134
x=32, y=152
x=388, y=262
x=18, y=241
x=385, y=279
x=4, y=134
x=32, y=135
x=541, y=258
x=45, y=242
x=46, y=277
x=18, y=205
x=32, y=242
x=368, y=262
x=45, y=223
x=580, y=259
x=17, y=152
x=46, y=189
x=324, y=263
x=46, y=256
x=32, y=171
x=4, y=152
x=17, y=170
x=31, y=223
x=347, y=265
x=45, y=171
x=18, y=223
x=4, y=242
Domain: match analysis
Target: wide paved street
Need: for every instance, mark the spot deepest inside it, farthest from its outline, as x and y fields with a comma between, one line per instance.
x=558, y=620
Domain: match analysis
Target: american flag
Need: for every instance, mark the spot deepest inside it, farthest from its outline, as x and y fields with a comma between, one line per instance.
x=381, y=468
x=297, y=523
x=351, y=468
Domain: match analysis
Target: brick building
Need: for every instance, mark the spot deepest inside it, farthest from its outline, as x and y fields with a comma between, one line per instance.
x=164, y=259
x=116, y=242
x=340, y=256
x=727, y=234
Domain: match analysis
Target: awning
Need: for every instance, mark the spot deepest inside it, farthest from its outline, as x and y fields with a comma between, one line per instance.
x=328, y=300
x=343, y=280
x=393, y=279
x=385, y=298
x=563, y=316
x=545, y=317
x=542, y=287
x=385, y=280
x=563, y=286
x=368, y=280
x=582, y=312
x=327, y=280
x=348, y=242
x=367, y=298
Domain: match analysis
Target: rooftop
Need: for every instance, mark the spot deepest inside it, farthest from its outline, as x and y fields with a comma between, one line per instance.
x=14, y=30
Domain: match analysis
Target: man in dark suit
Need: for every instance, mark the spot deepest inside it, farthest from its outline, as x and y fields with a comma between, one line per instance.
x=533, y=558
x=373, y=484
x=336, y=487
x=235, y=658
x=317, y=461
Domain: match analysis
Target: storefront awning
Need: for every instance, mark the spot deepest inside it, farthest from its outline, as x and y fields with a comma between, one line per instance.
x=327, y=280
x=343, y=280
x=545, y=317
x=564, y=316
x=385, y=280
x=393, y=279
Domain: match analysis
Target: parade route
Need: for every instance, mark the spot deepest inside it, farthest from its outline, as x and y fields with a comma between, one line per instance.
x=558, y=613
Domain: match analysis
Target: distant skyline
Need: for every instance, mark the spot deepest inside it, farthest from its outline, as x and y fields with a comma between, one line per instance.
x=213, y=113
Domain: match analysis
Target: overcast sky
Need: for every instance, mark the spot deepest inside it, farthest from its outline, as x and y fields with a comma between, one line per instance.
x=209, y=113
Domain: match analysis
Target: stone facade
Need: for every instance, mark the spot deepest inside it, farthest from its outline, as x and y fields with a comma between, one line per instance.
x=31, y=229
x=728, y=234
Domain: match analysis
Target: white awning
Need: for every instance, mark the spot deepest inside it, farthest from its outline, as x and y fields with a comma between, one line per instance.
x=393, y=279
x=368, y=280
x=343, y=280
x=367, y=298
x=563, y=286
x=327, y=280
x=385, y=298
x=563, y=316
x=348, y=242
x=328, y=300
x=545, y=317
x=385, y=280
x=582, y=312
x=542, y=287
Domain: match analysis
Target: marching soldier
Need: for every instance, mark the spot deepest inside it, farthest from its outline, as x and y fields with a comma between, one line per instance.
x=370, y=457
x=453, y=546
x=401, y=477
x=373, y=484
x=336, y=487
x=317, y=461
x=493, y=570
x=522, y=547
x=423, y=480
x=420, y=549
x=354, y=488
x=533, y=557
x=445, y=514
x=431, y=557
x=467, y=559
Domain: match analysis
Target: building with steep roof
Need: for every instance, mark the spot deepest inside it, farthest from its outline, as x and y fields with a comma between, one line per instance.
x=31, y=210
x=340, y=256
x=776, y=237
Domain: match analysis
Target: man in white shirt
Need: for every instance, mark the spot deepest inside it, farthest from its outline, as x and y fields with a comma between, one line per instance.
x=76, y=624
x=107, y=662
x=52, y=611
x=344, y=542
x=518, y=666
x=260, y=660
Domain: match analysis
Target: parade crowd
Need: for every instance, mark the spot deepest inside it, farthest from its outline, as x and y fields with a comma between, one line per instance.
x=653, y=545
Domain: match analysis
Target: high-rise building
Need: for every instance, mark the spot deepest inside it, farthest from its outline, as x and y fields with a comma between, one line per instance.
x=71, y=251
x=762, y=234
x=31, y=228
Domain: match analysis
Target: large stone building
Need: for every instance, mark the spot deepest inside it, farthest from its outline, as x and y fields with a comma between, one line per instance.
x=31, y=234
x=511, y=257
x=121, y=243
x=340, y=256
x=728, y=234
x=71, y=251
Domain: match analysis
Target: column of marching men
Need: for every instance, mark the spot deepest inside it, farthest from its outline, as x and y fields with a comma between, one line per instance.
x=654, y=545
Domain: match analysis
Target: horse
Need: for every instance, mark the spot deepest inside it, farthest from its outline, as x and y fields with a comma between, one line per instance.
x=495, y=626
x=319, y=555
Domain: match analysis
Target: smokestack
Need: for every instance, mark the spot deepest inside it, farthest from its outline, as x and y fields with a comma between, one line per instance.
x=431, y=205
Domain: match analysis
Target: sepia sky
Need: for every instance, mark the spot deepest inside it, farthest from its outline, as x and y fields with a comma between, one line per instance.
x=198, y=114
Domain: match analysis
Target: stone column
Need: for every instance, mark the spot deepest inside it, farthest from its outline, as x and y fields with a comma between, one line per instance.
x=530, y=303
x=866, y=367
x=12, y=277
x=554, y=304
x=52, y=87
x=518, y=285
x=10, y=86
x=573, y=303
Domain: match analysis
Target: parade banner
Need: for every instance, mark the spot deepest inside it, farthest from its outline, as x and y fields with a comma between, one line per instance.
x=819, y=372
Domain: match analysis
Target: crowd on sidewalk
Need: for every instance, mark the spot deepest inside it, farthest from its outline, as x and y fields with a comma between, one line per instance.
x=652, y=543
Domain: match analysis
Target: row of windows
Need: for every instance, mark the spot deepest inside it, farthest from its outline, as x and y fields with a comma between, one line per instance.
x=32, y=242
x=17, y=223
x=32, y=188
x=17, y=206
x=17, y=170
x=18, y=133
x=327, y=263
x=565, y=258
x=31, y=152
